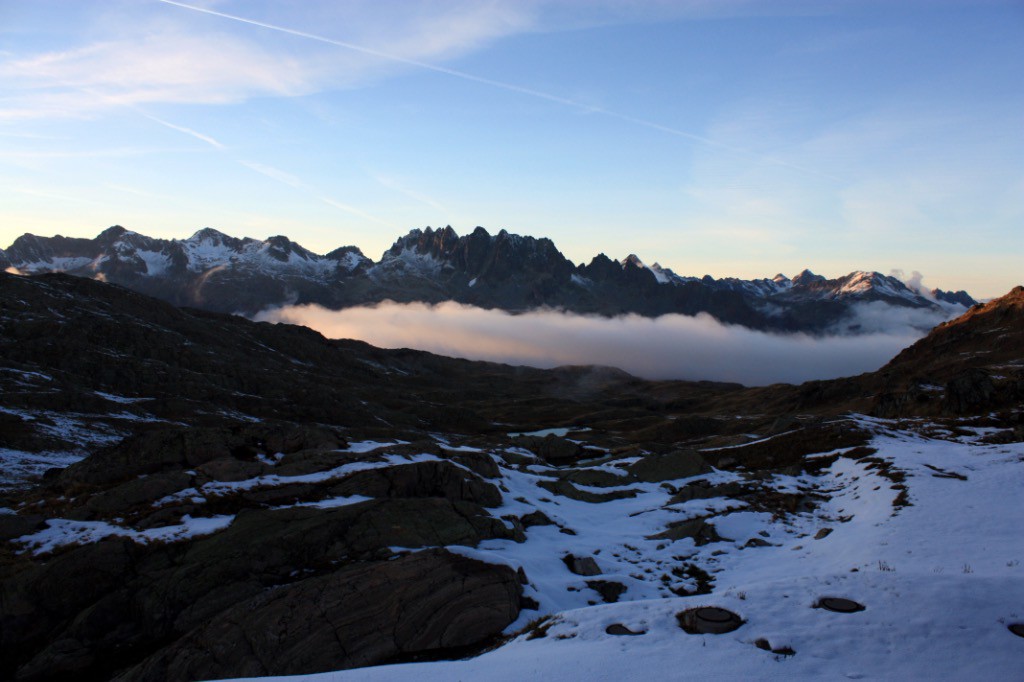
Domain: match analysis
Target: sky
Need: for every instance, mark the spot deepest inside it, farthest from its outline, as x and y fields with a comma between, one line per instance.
x=732, y=138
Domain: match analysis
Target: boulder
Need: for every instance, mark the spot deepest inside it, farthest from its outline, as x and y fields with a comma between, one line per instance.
x=586, y=565
x=610, y=590
x=566, y=489
x=536, y=518
x=597, y=478
x=554, y=449
x=420, y=479
x=668, y=467
x=479, y=462
x=699, y=530
x=15, y=525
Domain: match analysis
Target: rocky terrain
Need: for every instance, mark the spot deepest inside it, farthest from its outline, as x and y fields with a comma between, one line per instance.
x=192, y=495
x=215, y=272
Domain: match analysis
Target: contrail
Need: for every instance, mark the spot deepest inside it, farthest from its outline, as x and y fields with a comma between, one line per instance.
x=511, y=87
x=348, y=208
x=293, y=182
x=181, y=129
x=268, y=171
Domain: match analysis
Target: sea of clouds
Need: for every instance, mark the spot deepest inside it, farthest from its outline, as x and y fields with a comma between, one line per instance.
x=666, y=347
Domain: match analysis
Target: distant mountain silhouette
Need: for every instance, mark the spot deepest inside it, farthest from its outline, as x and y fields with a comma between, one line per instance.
x=213, y=271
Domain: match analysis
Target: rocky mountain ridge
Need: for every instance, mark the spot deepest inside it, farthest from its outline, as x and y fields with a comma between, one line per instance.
x=216, y=272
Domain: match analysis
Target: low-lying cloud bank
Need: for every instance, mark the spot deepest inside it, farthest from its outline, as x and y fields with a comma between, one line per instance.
x=666, y=347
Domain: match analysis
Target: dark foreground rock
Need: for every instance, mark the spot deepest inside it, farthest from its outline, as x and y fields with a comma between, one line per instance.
x=425, y=602
x=317, y=458
x=93, y=609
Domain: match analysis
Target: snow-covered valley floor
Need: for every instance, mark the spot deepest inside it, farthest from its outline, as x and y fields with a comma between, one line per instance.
x=938, y=568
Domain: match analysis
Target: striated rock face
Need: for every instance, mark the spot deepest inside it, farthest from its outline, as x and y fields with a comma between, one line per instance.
x=426, y=602
x=136, y=598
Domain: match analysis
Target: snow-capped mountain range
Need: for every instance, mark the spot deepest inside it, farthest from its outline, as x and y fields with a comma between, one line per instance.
x=214, y=271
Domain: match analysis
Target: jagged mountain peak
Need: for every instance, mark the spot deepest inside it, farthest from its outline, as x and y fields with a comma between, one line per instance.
x=505, y=270
x=112, y=234
x=208, y=234
x=955, y=297
x=862, y=280
x=281, y=249
x=426, y=241
x=344, y=251
x=807, y=277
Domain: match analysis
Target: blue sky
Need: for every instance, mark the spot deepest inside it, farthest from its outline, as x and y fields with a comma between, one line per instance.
x=731, y=138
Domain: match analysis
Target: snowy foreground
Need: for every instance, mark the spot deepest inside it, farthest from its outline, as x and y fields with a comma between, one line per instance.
x=940, y=578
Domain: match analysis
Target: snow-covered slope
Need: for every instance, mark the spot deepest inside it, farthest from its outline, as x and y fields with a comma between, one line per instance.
x=203, y=251
x=245, y=486
x=924, y=534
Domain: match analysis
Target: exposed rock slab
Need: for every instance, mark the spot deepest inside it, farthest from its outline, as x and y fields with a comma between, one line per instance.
x=364, y=615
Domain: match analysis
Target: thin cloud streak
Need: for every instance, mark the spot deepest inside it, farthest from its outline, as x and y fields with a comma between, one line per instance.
x=667, y=347
x=511, y=87
x=354, y=211
x=181, y=129
x=427, y=200
x=293, y=182
x=274, y=174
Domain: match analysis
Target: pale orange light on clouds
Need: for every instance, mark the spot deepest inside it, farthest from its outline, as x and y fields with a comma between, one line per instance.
x=667, y=347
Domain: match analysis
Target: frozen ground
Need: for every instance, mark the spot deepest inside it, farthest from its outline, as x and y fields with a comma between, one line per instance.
x=940, y=578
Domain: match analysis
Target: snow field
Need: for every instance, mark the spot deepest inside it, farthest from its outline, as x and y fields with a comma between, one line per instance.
x=941, y=579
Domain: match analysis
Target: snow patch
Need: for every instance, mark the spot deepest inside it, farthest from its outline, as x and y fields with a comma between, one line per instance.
x=61, y=532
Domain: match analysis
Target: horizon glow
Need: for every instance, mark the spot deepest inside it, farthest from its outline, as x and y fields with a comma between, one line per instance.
x=737, y=138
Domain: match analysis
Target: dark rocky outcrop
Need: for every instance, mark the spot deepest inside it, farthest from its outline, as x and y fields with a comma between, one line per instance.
x=134, y=598
x=789, y=448
x=427, y=602
x=566, y=489
x=554, y=449
x=677, y=464
x=610, y=590
x=585, y=565
x=698, y=529
x=421, y=479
